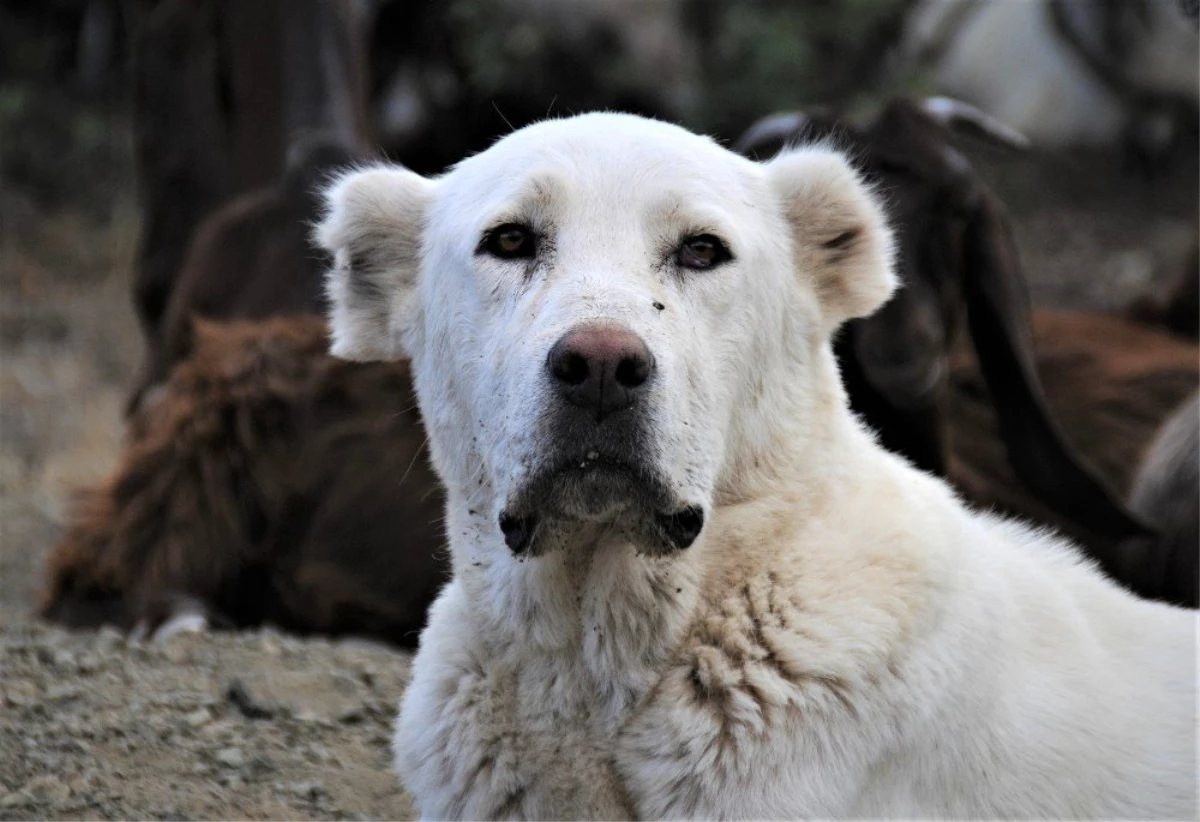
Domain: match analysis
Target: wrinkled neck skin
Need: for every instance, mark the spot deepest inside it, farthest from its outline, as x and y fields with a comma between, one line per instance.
x=603, y=609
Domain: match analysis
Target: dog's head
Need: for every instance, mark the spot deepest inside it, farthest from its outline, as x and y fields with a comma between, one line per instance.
x=612, y=321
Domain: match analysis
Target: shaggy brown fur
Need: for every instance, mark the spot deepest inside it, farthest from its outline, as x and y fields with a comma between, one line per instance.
x=250, y=259
x=271, y=482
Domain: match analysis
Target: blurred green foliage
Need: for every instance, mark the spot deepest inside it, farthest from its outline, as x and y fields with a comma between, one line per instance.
x=749, y=58
x=759, y=56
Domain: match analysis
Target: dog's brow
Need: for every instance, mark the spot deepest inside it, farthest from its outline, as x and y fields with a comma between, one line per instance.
x=534, y=200
x=541, y=190
x=677, y=211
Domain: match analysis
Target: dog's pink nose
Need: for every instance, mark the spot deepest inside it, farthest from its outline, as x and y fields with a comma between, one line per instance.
x=600, y=367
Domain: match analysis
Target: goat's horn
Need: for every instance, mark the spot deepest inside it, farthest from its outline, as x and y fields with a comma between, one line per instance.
x=782, y=127
x=958, y=115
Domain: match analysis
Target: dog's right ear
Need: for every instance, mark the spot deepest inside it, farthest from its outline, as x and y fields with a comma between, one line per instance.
x=373, y=226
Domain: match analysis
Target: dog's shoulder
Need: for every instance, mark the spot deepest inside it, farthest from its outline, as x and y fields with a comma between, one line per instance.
x=900, y=637
x=811, y=629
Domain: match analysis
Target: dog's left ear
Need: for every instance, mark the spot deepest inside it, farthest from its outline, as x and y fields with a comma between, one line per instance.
x=840, y=234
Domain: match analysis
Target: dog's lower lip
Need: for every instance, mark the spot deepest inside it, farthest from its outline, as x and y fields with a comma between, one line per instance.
x=517, y=530
x=682, y=527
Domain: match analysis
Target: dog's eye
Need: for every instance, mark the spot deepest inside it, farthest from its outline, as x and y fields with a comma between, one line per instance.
x=703, y=251
x=510, y=242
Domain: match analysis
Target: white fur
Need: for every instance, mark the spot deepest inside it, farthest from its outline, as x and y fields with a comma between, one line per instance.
x=844, y=639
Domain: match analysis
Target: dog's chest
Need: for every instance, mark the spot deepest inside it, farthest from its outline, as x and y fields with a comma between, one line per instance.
x=529, y=743
x=504, y=723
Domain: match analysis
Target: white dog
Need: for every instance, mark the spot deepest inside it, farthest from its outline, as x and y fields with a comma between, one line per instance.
x=687, y=582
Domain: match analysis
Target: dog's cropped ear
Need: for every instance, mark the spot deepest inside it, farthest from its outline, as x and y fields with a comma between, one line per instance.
x=999, y=316
x=373, y=226
x=840, y=235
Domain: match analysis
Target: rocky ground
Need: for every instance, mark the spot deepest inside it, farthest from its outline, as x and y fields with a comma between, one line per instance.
x=253, y=726
x=260, y=725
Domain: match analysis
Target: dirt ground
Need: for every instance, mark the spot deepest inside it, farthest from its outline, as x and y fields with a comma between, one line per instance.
x=260, y=725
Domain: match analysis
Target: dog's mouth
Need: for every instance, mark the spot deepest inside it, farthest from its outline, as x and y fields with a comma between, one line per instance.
x=599, y=490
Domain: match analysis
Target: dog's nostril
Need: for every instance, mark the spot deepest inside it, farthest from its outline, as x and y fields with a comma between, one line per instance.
x=570, y=368
x=632, y=371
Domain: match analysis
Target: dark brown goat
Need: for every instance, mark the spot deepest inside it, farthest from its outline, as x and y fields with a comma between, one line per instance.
x=956, y=253
x=251, y=259
x=271, y=483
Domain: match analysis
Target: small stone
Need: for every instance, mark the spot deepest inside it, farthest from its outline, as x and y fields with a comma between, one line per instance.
x=62, y=693
x=221, y=727
x=307, y=790
x=198, y=718
x=47, y=789
x=88, y=664
x=258, y=767
x=231, y=757
x=177, y=654
x=242, y=699
x=108, y=638
x=351, y=715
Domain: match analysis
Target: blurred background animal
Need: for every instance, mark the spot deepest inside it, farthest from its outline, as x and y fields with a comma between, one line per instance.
x=241, y=110
x=268, y=482
x=1175, y=308
x=1044, y=416
x=251, y=258
x=1166, y=491
x=1067, y=73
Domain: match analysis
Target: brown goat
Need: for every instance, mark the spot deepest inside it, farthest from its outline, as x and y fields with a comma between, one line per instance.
x=271, y=483
x=251, y=259
x=956, y=255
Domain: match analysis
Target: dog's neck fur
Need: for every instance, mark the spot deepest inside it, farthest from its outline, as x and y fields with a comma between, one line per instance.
x=603, y=615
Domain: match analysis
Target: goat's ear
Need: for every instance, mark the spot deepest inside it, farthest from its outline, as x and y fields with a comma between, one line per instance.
x=840, y=235
x=372, y=228
x=998, y=312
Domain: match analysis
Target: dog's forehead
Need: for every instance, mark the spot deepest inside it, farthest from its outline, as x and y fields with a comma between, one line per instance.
x=604, y=156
